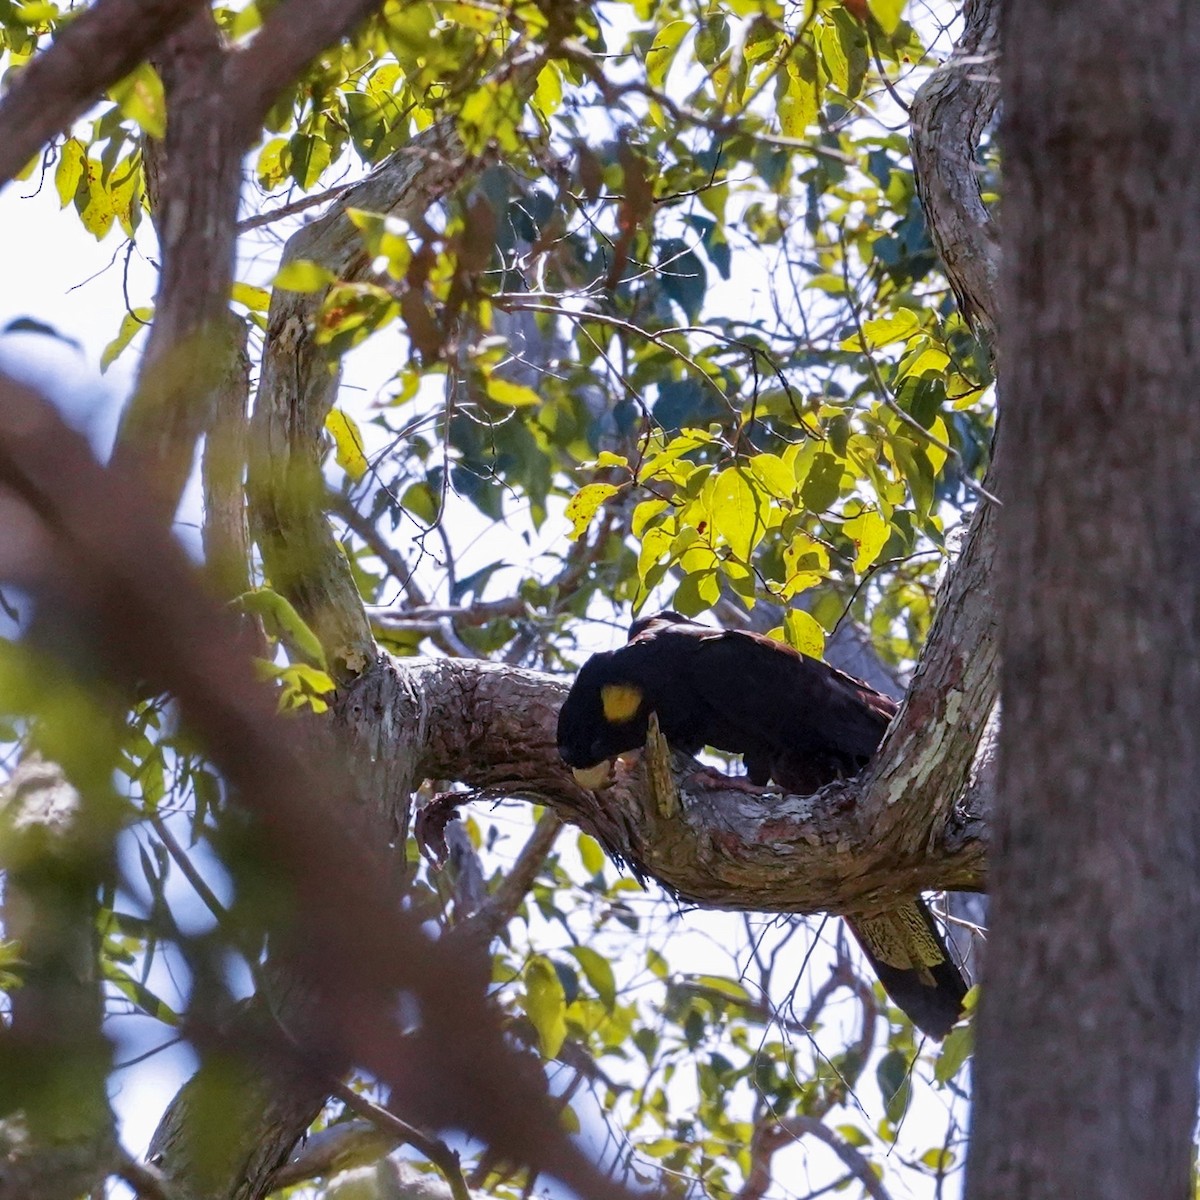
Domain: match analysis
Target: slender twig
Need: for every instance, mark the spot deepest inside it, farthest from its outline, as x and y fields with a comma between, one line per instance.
x=434, y=1149
x=501, y=906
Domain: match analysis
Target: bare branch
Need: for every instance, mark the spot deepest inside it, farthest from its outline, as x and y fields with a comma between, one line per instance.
x=798, y=1126
x=502, y=905
x=189, y=350
x=153, y=621
x=93, y=51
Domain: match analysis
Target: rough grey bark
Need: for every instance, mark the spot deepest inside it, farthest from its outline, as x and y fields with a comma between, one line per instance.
x=949, y=114
x=493, y=727
x=1089, y=1030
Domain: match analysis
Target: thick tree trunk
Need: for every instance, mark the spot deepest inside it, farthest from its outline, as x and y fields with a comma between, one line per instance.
x=1089, y=1029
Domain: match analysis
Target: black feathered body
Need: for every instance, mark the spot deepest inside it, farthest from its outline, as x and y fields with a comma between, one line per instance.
x=794, y=720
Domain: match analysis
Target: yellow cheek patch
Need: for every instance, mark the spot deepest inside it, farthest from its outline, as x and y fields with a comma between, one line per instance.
x=621, y=701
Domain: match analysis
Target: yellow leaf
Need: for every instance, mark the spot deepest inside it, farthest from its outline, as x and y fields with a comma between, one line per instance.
x=515, y=395
x=301, y=275
x=883, y=331
x=140, y=98
x=549, y=90
x=69, y=171
x=132, y=323
x=581, y=508
x=663, y=49
x=869, y=532
x=254, y=298
x=735, y=512
x=802, y=632
x=348, y=444
x=546, y=1004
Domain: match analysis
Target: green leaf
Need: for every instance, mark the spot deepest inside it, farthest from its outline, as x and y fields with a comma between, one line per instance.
x=301, y=275
x=888, y=13
x=282, y=620
x=956, y=1049
x=139, y=994
x=140, y=97
x=348, y=443
x=853, y=1135
x=549, y=93
x=132, y=323
x=582, y=506
x=823, y=484
x=734, y=509
x=97, y=212
x=774, y=474
x=803, y=632
x=590, y=853
x=869, y=532
x=797, y=102
x=309, y=156
x=545, y=1004
x=662, y=51
x=726, y=987
x=883, y=331
x=892, y=1075
x=598, y=972
x=69, y=171
x=515, y=395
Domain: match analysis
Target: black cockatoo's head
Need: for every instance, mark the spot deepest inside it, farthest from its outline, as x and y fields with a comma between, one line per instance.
x=605, y=714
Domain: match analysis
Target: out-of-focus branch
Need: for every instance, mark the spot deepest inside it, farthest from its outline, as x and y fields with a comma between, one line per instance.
x=196, y=185
x=215, y=101
x=797, y=1126
x=226, y=536
x=154, y=622
x=291, y=37
x=52, y=1046
x=332, y=1149
x=91, y=52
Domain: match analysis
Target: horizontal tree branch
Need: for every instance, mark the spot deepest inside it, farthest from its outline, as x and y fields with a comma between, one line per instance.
x=494, y=728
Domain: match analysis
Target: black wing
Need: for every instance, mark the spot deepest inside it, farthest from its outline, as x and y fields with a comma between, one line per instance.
x=793, y=718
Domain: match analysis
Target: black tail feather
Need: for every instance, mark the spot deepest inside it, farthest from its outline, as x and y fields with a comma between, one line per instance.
x=913, y=963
